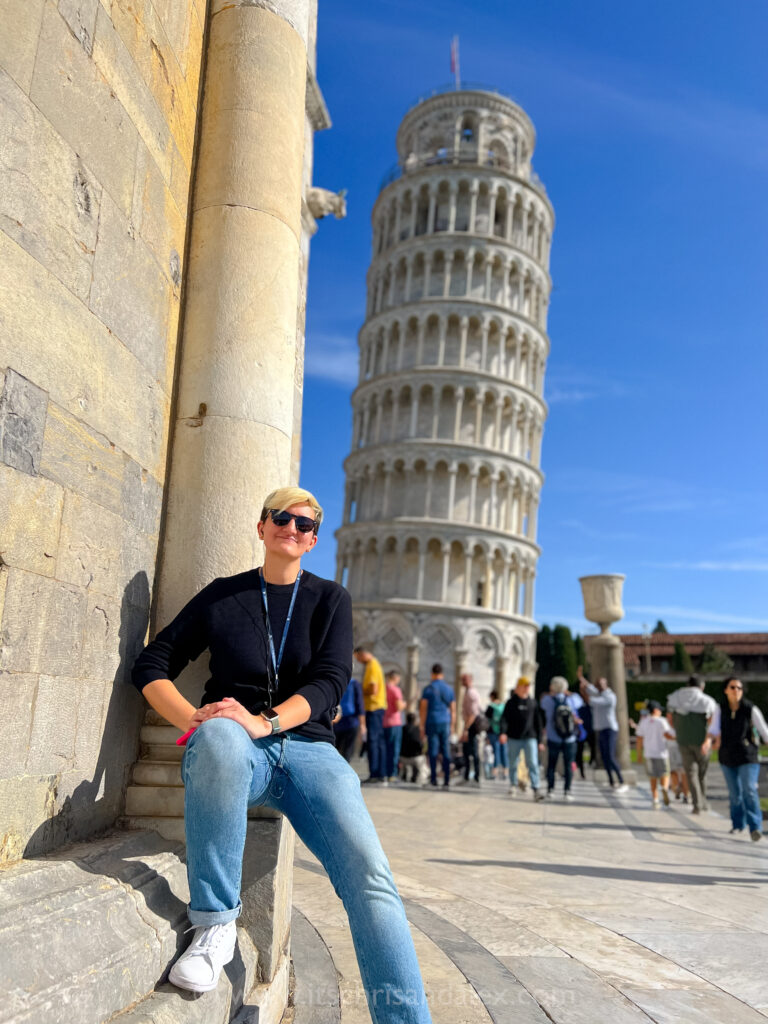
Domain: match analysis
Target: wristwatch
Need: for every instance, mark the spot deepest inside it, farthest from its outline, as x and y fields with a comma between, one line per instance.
x=272, y=718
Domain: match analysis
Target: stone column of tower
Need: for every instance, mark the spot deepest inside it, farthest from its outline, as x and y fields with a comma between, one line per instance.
x=438, y=542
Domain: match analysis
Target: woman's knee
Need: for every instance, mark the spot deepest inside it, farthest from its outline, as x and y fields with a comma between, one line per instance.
x=219, y=746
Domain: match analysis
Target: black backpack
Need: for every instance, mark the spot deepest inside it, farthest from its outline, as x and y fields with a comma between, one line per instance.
x=564, y=718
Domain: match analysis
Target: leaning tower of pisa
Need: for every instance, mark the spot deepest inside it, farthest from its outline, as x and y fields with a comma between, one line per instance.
x=438, y=542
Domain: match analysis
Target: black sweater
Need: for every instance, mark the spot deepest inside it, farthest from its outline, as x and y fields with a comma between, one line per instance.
x=522, y=718
x=227, y=617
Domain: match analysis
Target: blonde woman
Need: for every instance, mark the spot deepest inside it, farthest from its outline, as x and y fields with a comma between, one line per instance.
x=280, y=642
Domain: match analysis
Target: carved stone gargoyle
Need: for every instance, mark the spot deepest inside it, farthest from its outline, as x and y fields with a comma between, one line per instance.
x=321, y=202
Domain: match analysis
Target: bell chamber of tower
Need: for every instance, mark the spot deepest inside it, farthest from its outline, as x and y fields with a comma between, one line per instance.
x=438, y=542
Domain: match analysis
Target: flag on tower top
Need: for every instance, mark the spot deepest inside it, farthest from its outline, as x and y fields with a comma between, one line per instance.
x=455, y=59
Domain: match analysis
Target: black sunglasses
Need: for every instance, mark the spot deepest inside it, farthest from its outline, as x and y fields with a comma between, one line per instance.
x=303, y=523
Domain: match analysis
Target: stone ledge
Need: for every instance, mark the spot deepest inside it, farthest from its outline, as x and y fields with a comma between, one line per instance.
x=91, y=930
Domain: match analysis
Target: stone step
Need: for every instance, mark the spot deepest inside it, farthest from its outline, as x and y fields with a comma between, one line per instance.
x=88, y=935
x=164, y=734
x=169, y=828
x=157, y=773
x=152, y=717
x=165, y=801
x=161, y=752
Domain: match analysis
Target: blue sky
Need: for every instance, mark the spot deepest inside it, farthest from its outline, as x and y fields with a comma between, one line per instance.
x=652, y=124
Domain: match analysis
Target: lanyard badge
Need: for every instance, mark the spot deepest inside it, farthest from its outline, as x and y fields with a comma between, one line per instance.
x=276, y=660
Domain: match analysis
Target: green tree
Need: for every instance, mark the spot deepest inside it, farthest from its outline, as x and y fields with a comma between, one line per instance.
x=581, y=654
x=713, y=661
x=564, y=654
x=681, y=659
x=660, y=627
x=544, y=658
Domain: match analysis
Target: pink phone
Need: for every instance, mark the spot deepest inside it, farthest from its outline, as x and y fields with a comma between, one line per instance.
x=181, y=741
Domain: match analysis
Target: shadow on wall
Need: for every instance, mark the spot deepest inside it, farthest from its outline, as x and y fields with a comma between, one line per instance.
x=95, y=804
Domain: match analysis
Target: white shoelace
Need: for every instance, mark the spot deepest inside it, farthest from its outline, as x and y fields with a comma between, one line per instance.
x=207, y=941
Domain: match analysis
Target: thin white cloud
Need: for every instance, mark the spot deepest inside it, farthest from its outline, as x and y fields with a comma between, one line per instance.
x=698, y=615
x=332, y=357
x=565, y=385
x=746, y=566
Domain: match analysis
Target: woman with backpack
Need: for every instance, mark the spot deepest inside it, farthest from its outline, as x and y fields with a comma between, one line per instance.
x=561, y=709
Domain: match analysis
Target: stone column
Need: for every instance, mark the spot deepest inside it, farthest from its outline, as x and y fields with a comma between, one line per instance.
x=414, y=413
x=485, y=328
x=473, y=206
x=442, y=329
x=387, y=484
x=427, y=276
x=469, y=262
x=447, y=275
x=497, y=424
x=501, y=669
x=412, y=674
x=508, y=226
x=234, y=416
x=459, y=412
x=452, y=208
x=452, y=470
x=479, y=404
x=472, y=495
x=420, y=331
x=409, y=278
x=428, y=497
x=468, y=560
x=491, y=212
x=487, y=584
x=602, y=604
x=420, y=581
x=431, y=213
x=446, y=553
x=464, y=327
x=459, y=668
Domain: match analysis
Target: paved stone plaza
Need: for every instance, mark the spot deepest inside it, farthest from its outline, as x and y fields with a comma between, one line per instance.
x=599, y=910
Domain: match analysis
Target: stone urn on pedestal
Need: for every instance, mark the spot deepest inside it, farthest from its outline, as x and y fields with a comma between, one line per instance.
x=602, y=605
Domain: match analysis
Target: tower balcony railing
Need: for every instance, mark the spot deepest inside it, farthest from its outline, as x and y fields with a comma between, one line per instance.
x=468, y=156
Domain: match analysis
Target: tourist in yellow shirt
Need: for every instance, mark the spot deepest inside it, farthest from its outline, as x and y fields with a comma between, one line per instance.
x=375, y=702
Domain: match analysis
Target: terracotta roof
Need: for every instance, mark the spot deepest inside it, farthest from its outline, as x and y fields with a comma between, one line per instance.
x=663, y=644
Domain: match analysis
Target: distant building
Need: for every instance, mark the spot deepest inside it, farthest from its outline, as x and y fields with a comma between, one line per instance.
x=747, y=651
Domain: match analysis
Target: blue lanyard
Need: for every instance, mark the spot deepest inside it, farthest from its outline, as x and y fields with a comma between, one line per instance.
x=276, y=661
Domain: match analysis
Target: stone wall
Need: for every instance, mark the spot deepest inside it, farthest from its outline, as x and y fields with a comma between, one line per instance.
x=98, y=102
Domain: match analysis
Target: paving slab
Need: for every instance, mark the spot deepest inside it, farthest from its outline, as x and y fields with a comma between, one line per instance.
x=639, y=914
x=689, y=1006
x=571, y=993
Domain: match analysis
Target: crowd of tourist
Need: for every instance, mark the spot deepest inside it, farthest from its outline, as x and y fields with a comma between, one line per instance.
x=534, y=743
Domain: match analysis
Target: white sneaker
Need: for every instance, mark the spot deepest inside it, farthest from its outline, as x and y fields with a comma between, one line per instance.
x=211, y=949
x=623, y=788
x=568, y=798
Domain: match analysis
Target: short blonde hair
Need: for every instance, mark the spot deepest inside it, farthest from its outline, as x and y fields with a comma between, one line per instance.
x=284, y=497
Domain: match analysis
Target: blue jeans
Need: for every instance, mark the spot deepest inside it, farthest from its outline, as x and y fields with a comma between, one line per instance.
x=377, y=752
x=393, y=737
x=499, y=750
x=606, y=741
x=225, y=772
x=439, y=743
x=742, y=792
x=530, y=750
x=554, y=749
